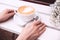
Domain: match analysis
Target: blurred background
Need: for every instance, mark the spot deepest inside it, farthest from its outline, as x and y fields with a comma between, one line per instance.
x=5, y=35
x=44, y=2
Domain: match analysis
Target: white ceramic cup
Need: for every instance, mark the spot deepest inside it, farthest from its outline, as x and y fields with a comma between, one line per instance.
x=22, y=18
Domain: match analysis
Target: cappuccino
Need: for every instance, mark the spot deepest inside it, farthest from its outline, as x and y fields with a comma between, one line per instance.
x=25, y=10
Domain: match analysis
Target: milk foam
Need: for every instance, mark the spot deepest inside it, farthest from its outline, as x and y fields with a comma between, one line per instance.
x=28, y=9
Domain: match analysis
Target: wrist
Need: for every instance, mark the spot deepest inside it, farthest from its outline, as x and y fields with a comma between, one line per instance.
x=0, y=19
x=21, y=37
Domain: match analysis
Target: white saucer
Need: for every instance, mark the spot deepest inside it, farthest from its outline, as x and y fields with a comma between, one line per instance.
x=21, y=22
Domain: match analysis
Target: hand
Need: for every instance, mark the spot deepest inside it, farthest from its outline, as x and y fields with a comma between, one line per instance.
x=6, y=14
x=32, y=31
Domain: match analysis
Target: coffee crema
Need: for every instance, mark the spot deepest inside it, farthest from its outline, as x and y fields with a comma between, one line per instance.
x=26, y=10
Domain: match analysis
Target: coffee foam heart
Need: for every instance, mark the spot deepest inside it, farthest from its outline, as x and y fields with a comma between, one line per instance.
x=25, y=10
x=28, y=9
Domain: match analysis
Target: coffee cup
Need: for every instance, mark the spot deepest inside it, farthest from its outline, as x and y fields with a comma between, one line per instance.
x=24, y=14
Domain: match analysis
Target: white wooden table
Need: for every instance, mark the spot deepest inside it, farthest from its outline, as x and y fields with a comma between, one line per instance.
x=49, y=34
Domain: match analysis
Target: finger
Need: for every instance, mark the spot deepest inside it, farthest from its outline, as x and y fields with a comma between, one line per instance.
x=10, y=14
x=38, y=33
x=42, y=31
x=8, y=10
x=42, y=27
x=36, y=22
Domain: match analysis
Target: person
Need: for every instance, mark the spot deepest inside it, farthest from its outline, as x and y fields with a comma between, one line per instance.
x=31, y=31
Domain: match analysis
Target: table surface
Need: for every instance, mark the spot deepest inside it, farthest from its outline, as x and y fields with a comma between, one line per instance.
x=42, y=11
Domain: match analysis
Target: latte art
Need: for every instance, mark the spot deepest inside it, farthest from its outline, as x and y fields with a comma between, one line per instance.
x=25, y=10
